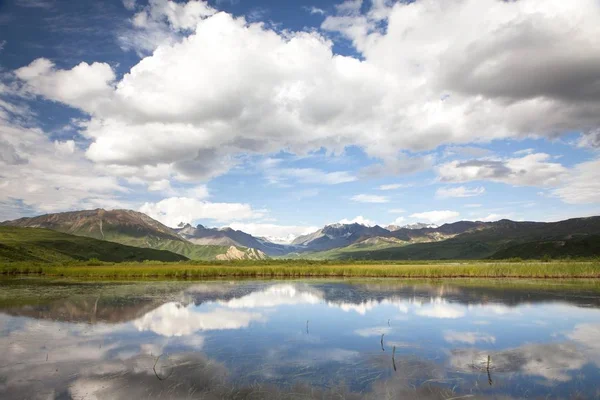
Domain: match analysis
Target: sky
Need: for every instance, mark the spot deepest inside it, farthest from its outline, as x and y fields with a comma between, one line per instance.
x=277, y=118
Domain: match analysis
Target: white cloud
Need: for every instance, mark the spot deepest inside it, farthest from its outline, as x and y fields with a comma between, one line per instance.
x=315, y=10
x=162, y=22
x=369, y=198
x=582, y=185
x=163, y=185
x=493, y=217
x=530, y=170
x=358, y=220
x=459, y=191
x=394, y=186
x=308, y=175
x=398, y=221
x=85, y=86
x=251, y=89
x=275, y=233
x=436, y=217
x=473, y=205
x=43, y=176
x=174, y=210
x=524, y=151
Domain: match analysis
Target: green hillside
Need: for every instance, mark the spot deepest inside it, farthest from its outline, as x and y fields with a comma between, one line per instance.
x=445, y=250
x=503, y=239
x=126, y=227
x=588, y=246
x=44, y=245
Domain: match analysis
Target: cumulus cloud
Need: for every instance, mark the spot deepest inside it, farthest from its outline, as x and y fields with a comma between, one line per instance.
x=211, y=88
x=369, y=198
x=459, y=191
x=428, y=75
x=85, y=86
x=358, y=220
x=530, y=170
x=582, y=185
x=39, y=175
x=398, y=221
x=174, y=210
x=161, y=22
x=436, y=217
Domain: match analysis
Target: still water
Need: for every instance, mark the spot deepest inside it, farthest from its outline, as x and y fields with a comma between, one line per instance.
x=321, y=339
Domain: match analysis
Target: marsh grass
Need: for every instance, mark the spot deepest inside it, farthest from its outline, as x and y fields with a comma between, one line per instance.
x=429, y=270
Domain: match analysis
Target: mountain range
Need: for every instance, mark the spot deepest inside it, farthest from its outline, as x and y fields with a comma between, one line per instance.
x=129, y=228
x=201, y=235
x=459, y=240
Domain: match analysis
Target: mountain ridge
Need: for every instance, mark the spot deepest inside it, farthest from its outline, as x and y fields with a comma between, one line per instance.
x=461, y=239
x=127, y=227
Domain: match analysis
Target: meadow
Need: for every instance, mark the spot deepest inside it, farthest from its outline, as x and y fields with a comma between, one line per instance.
x=564, y=269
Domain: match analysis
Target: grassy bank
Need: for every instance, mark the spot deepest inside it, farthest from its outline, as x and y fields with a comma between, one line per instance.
x=553, y=269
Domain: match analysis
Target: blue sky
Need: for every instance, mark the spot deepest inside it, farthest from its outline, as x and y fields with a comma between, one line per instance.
x=279, y=117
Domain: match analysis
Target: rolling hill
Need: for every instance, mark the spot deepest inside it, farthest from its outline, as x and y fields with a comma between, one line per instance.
x=126, y=227
x=45, y=245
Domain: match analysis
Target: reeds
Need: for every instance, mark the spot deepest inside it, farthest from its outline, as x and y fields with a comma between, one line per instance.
x=555, y=269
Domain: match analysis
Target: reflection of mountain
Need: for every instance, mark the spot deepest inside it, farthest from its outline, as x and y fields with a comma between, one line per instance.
x=440, y=300
x=89, y=310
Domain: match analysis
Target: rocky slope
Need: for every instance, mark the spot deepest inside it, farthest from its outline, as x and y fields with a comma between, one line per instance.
x=337, y=235
x=234, y=253
x=228, y=237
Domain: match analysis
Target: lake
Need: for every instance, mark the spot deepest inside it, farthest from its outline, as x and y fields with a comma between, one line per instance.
x=321, y=339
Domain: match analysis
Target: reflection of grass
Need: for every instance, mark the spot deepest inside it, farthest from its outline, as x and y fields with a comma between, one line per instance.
x=556, y=269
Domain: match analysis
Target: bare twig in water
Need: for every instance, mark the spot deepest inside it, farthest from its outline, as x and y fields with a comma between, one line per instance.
x=382, y=341
x=156, y=373
x=488, y=371
x=307, y=327
x=394, y=357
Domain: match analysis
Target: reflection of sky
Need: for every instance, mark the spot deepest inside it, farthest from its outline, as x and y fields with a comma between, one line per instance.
x=314, y=333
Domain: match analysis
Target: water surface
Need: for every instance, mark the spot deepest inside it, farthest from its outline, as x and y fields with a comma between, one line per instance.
x=322, y=339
